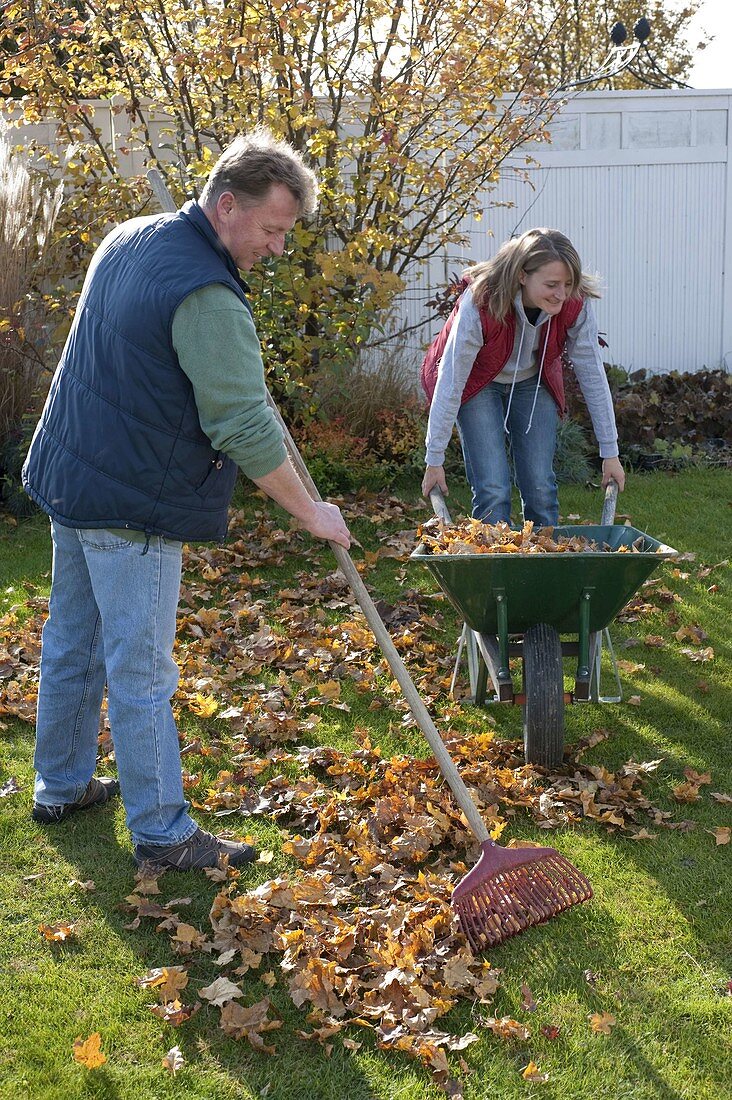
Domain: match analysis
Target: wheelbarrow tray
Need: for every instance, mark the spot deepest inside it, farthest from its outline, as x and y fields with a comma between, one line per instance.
x=525, y=589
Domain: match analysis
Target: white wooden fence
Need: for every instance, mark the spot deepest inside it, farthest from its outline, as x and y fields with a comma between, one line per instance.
x=642, y=183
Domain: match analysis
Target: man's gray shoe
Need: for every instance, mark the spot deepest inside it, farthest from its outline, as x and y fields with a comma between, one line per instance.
x=200, y=850
x=98, y=791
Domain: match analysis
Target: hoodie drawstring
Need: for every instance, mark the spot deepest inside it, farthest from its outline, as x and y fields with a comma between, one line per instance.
x=538, y=377
x=513, y=380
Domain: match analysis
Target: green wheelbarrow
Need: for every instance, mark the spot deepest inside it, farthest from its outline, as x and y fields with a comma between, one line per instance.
x=516, y=605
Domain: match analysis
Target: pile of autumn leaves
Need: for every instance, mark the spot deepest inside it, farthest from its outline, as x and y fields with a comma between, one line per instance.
x=472, y=536
x=362, y=932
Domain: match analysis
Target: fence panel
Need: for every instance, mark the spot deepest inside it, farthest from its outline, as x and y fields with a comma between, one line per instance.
x=641, y=182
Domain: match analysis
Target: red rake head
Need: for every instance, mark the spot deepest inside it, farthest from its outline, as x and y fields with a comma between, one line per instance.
x=512, y=889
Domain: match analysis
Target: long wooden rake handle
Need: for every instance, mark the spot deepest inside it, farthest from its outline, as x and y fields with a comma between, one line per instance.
x=412, y=696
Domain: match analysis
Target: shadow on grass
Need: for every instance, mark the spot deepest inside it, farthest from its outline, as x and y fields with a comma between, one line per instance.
x=560, y=961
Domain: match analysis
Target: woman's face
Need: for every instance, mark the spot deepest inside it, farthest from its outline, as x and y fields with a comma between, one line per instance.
x=547, y=288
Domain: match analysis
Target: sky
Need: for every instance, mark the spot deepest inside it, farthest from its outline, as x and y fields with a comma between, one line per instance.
x=713, y=66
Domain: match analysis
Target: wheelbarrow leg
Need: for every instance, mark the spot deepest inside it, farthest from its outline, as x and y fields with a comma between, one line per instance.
x=498, y=670
x=582, y=686
x=477, y=670
x=482, y=651
x=596, y=646
x=459, y=661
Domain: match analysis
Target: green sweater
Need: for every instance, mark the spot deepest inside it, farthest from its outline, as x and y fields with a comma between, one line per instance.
x=217, y=347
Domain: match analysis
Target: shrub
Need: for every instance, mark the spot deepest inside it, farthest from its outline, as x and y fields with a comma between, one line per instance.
x=337, y=460
x=666, y=420
x=375, y=403
x=28, y=210
x=572, y=457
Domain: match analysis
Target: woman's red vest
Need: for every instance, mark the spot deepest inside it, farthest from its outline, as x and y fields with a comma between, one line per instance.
x=498, y=341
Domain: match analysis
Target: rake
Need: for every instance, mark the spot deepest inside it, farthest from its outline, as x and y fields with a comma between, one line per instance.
x=508, y=890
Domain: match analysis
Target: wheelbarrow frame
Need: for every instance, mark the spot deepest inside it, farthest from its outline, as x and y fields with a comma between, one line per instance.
x=508, y=613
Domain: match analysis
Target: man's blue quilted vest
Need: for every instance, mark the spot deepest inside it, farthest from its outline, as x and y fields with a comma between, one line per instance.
x=119, y=443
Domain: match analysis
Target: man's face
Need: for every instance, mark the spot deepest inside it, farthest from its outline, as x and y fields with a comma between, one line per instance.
x=249, y=231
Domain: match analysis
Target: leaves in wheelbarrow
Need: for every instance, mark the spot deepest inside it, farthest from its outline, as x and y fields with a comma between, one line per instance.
x=472, y=536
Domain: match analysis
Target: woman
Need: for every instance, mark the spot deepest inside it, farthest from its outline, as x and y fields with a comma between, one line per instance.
x=496, y=368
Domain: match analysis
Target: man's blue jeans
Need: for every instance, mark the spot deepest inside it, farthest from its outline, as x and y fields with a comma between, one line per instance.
x=480, y=426
x=112, y=617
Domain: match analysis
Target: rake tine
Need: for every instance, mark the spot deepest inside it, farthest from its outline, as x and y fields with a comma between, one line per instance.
x=510, y=890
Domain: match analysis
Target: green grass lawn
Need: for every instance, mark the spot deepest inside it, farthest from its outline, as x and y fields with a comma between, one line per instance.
x=653, y=948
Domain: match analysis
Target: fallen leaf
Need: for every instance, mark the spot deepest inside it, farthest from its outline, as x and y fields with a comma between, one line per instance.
x=721, y=834
x=686, y=792
x=693, y=633
x=718, y=796
x=532, y=1073
x=550, y=1031
x=187, y=938
x=168, y=980
x=697, y=777
x=634, y=700
x=87, y=886
x=220, y=992
x=630, y=667
x=602, y=1023
x=57, y=933
x=249, y=1022
x=203, y=705
x=507, y=1028
x=527, y=999
x=88, y=1052
x=146, y=881
x=175, y=1013
x=173, y=1060
x=706, y=654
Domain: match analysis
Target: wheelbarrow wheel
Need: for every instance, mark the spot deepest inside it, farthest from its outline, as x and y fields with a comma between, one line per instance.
x=543, y=696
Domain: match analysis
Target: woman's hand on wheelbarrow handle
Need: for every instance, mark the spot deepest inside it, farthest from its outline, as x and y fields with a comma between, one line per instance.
x=434, y=476
x=612, y=470
x=434, y=487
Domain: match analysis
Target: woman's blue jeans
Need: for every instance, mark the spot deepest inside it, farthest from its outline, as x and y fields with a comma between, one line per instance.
x=112, y=618
x=480, y=426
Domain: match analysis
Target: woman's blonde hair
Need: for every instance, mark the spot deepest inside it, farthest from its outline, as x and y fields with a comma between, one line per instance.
x=496, y=282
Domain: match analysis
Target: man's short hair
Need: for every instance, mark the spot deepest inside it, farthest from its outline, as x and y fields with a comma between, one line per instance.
x=253, y=163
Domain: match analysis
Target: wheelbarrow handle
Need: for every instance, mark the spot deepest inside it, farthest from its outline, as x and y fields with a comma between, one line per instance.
x=439, y=506
x=609, y=503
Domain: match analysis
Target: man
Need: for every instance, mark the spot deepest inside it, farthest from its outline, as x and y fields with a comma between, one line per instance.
x=158, y=398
